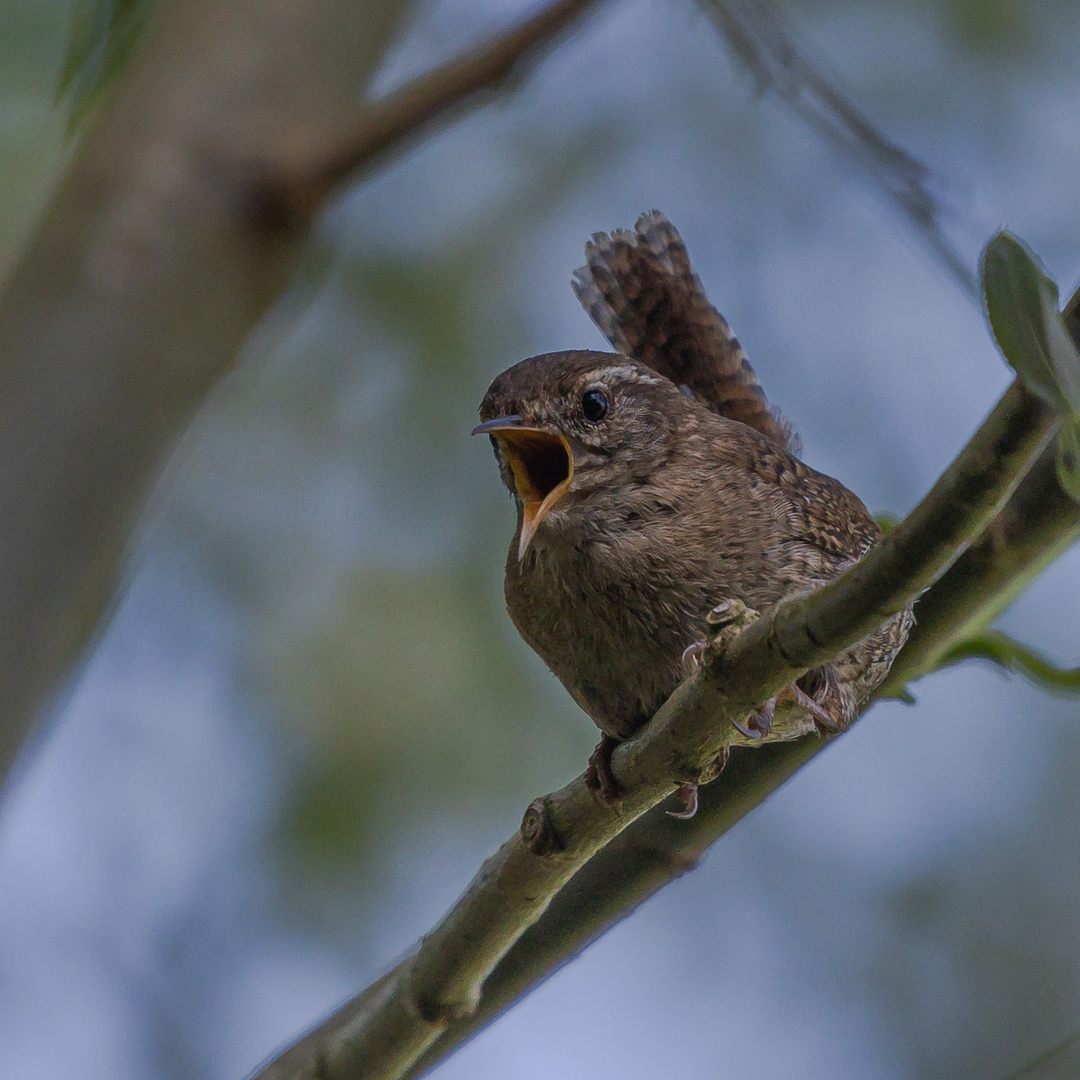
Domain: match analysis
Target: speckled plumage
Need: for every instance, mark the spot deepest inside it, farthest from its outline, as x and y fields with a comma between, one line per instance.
x=684, y=495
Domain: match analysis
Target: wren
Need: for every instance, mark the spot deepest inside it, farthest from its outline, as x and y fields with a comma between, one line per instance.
x=656, y=490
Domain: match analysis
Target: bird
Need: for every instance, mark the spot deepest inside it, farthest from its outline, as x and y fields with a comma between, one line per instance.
x=660, y=498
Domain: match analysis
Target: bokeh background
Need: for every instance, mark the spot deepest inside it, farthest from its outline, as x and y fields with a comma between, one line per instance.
x=310, y=718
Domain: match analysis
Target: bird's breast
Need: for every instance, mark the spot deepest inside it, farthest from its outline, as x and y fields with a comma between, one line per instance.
x=608, y=624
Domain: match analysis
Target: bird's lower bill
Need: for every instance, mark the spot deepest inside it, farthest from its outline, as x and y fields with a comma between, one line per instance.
x=543, y=466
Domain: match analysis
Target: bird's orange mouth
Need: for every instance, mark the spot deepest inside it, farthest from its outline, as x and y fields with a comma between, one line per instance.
x=542, y=465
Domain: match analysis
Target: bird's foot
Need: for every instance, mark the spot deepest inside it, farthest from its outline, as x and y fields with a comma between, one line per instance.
x=831, y=713
x=758, y=724
x=724, y=623
x=687, y=792
x=599, y=778
x=824, y=704
x=797, y=696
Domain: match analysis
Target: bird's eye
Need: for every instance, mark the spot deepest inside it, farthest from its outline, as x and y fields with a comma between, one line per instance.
x=594, y=404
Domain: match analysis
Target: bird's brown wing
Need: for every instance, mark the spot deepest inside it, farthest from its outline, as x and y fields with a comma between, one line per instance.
x=826, y=515
x=835, y=526
x=641, y=291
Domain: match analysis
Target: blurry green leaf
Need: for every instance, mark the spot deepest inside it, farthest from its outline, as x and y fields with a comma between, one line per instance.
x=999, y=28
x=409, y=693
x=103, y=33
x=1012, y=656
x=331, y=812
x=1022, y=305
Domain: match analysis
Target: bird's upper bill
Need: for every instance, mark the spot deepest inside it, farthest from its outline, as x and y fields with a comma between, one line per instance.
x=542, y=465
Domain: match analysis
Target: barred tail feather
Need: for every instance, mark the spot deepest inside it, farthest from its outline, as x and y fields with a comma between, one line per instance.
x=641, y=291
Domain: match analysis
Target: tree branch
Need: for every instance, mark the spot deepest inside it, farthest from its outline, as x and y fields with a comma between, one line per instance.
x=1036, y=525
x=292, y=196
x=383, y=1032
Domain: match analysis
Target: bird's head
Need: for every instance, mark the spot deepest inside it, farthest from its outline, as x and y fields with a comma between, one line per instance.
x=567, y=425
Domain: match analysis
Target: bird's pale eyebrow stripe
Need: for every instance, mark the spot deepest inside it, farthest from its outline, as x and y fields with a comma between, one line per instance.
x=625, y=371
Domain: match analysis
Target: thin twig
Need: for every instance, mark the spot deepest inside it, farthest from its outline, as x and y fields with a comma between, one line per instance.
x=758, y=34
x=382, y=1034
x=1046, y=1057
x=1013, y=657
x=287, y=195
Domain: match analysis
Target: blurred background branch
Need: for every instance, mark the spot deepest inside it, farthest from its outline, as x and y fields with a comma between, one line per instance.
x=291, y=195
x=131, y=300
x=761, y=38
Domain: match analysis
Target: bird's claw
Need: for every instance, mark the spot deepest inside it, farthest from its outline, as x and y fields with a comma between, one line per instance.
x=687, y=794
x=797, y=696
x=692, y=655
x=759, y=724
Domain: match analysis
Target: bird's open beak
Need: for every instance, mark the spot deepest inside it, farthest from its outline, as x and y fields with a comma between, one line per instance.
x=542, y=465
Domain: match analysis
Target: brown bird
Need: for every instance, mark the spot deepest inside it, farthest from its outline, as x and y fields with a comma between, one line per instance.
x=657, y=493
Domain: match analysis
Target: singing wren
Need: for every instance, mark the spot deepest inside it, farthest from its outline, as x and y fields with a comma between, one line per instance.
x=657, y=492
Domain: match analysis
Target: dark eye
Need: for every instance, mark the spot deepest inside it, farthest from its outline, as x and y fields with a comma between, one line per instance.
x=594, y=404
